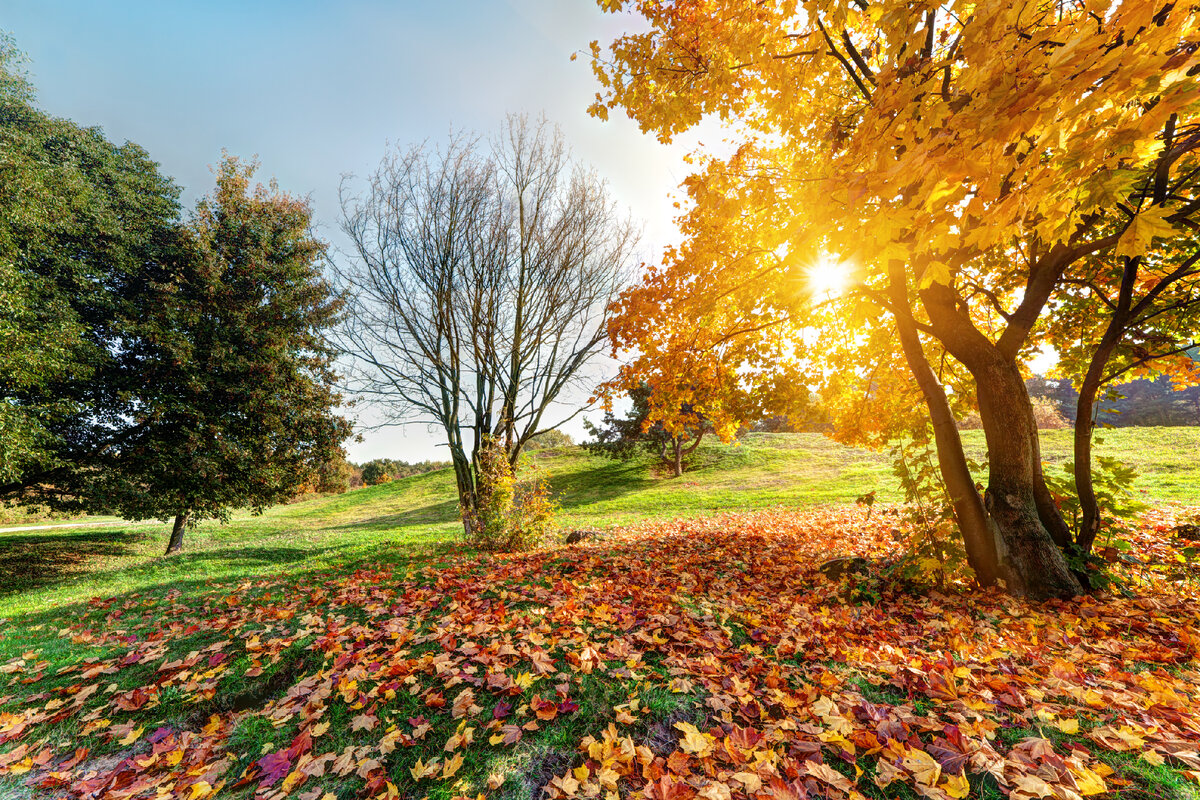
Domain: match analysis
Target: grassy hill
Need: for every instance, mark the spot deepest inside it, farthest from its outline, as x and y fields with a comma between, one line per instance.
x=51, y=567
x=348, y=643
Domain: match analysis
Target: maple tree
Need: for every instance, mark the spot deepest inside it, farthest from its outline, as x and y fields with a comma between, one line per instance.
x=961, y=160
x=620, y=438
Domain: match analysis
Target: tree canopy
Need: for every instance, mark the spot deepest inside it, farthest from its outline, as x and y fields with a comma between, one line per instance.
x=87, y=225
x=961, y=162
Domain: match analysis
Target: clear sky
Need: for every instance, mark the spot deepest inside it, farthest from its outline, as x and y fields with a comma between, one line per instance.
x=318, y=89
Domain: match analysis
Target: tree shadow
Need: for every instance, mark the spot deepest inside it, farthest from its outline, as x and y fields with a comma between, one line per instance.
x=336, y=562
x=610, y=480
x=35, y=559
x=432, y=514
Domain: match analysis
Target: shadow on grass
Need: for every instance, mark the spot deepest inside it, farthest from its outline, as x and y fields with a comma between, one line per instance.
x=30, y=561
x=179, y=572
x=434, y=513
x=608, y=481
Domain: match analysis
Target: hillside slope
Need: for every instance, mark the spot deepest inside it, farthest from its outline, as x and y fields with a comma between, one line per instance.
x=415, y=514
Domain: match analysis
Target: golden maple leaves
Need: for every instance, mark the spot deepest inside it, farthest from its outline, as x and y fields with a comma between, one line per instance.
x=954, y=139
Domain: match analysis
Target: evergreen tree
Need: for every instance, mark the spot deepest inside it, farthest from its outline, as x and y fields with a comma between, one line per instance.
x=236, y=406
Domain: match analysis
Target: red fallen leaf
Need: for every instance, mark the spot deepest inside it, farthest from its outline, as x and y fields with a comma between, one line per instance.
x=502, y=710
x=71, y=763
x=159, y=735
x=217, y=658
x=300, y=745
x=435, y=699
x=131, y=701
x=544, y=709
x=568, y=707
x=274, y=767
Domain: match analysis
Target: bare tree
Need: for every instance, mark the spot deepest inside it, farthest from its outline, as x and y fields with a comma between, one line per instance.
x=479, y=286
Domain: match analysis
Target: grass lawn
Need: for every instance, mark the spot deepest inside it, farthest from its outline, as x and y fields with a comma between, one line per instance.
x=347, y=644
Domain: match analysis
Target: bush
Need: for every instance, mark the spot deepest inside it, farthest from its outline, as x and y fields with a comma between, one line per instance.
x=509, y=515
x=334, y=476
x=1047, y=414
x=550, y=439
x=375, y=473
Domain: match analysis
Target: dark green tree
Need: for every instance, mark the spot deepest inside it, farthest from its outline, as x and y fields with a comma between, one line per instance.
x=84, y=226
x=621, y=438
x=236, y=409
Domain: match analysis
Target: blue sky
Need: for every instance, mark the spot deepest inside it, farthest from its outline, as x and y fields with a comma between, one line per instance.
x=318, y=89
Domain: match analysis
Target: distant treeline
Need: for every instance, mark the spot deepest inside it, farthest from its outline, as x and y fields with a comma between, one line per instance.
x=384, y=470
x=1141, y=402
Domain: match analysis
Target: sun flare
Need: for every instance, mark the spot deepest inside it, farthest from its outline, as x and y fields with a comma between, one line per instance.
x=828, y=277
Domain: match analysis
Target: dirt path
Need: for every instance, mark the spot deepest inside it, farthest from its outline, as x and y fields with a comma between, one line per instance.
x=77, y=525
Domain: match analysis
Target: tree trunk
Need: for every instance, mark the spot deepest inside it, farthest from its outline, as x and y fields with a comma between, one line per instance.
x=979, y=533
x=175, y=545
x=1048, y=513
x=464, y=477
x=1085, y=409
x=677, y=464
x=1030, y=561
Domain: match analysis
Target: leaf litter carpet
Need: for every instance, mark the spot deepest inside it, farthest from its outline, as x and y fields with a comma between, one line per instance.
x=705, y=658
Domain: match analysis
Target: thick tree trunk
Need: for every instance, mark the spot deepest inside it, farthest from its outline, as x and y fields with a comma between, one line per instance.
x=1031, y=563
x=175, y=545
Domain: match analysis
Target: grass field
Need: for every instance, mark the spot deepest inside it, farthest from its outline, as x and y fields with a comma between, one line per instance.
x=252, y=607
x=46, y=568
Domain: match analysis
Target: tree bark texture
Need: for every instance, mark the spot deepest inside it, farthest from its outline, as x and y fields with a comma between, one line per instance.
x=175, y=545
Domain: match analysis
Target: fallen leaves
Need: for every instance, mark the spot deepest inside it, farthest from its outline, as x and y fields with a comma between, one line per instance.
x=784, y=689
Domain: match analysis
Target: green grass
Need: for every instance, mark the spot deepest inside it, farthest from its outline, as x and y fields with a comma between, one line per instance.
x=50, y=575
x=416, y=517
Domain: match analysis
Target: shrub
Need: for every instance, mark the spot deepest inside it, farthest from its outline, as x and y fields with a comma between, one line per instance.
x=1047, y=414
x=550, y=439
x=375, y=473
x=509, y=515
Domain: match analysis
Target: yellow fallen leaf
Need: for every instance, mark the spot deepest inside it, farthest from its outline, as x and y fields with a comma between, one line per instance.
x=132, y=736
x=694, y=742
x=1067, y=725
x=957, y=786
x=1089, y=782
x=319, y=729
x=748, y=779
x=451, y=766
x=200, y=790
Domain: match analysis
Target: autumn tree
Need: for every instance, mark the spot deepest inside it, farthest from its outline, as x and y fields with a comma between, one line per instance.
x=237, y=405
x=622, y=437
x=1129, y=312
x=961, y=160
x=479, y=282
